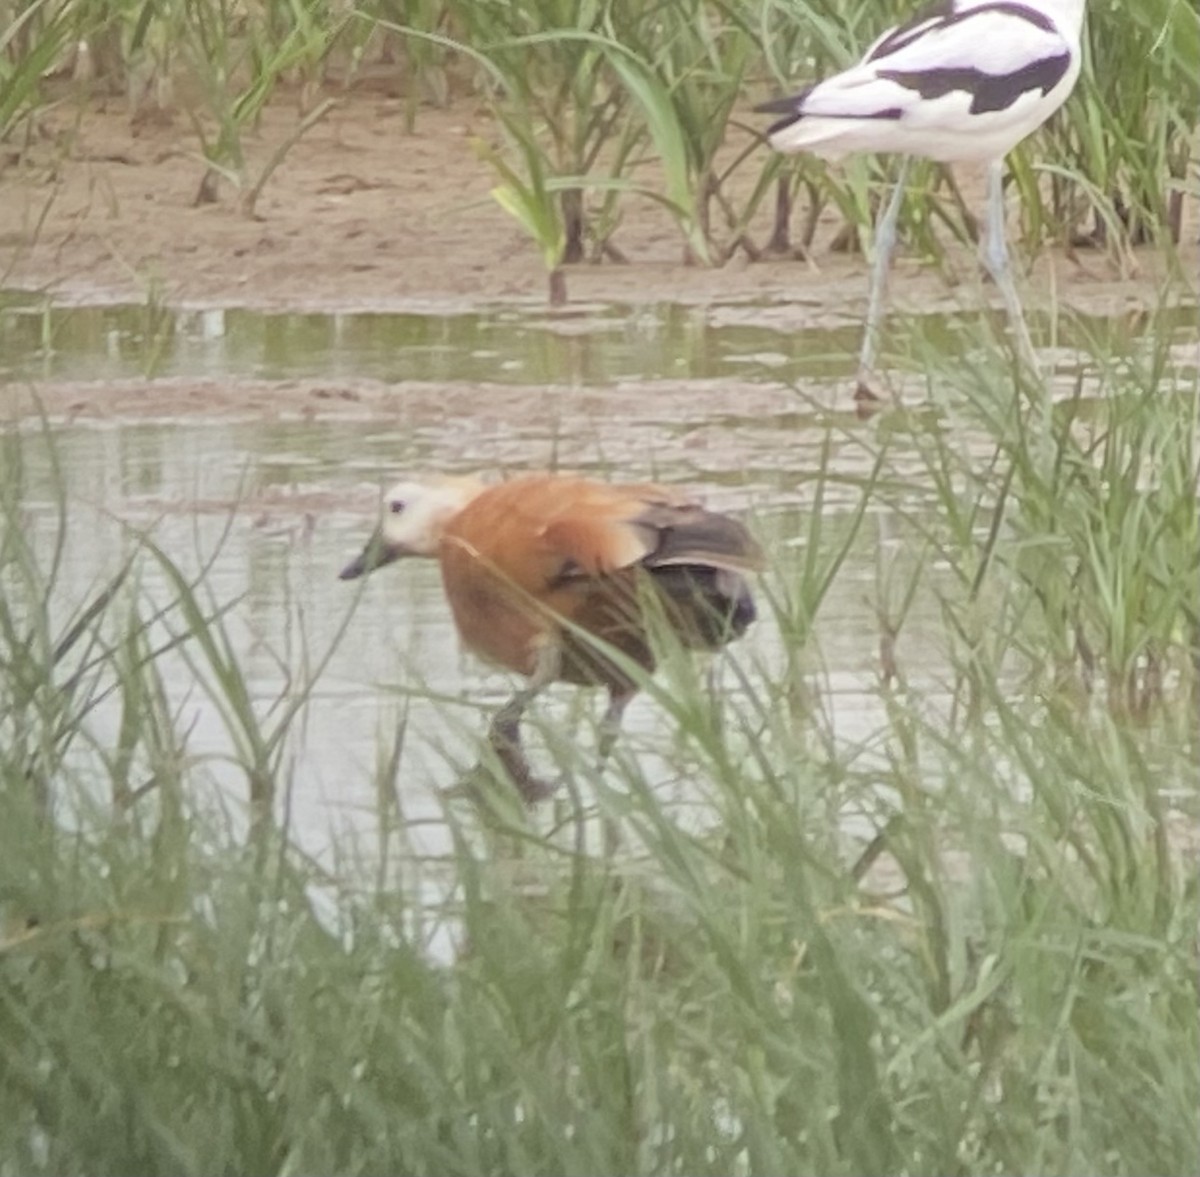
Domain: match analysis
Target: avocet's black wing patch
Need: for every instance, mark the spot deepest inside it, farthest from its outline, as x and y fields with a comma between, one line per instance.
x=989, y=92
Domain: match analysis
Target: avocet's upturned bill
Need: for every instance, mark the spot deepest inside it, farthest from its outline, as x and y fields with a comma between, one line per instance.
x=964, y=80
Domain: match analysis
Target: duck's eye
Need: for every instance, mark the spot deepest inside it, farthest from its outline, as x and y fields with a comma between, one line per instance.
x=396, y=506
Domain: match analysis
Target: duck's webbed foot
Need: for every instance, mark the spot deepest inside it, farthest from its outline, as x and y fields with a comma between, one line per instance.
x=504, y=736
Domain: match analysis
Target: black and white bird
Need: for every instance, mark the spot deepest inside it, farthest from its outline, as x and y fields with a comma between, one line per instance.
x=965, y=80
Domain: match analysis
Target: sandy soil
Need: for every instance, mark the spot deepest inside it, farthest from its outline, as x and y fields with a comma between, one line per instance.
x=363, y=215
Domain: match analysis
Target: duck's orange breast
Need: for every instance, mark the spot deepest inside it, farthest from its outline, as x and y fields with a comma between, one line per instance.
x=504, y=557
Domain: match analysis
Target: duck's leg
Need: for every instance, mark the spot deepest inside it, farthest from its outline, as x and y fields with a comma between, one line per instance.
x=884, y=244
x=610, y=725
x=504, y=733
x=610, y=729
x=995, y=258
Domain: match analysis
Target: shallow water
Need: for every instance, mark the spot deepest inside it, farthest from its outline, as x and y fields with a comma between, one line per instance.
x=581, y=345
x=275, y=508
x=266, y=511
x=588, y=346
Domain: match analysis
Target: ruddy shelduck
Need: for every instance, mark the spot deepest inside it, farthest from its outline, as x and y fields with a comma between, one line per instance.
x=558, y=577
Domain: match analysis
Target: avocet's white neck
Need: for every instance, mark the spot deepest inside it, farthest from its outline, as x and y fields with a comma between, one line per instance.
x=1068, y=13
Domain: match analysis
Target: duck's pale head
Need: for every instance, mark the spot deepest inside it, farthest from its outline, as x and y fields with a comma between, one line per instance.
x=415, y=515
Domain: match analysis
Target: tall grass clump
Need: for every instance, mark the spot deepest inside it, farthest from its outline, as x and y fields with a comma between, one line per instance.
x=33, y=37
x=945, y=925
x=1128, y=139
x=1097, y=494
x=578, y=106
x=239, y=60
x=217, y=64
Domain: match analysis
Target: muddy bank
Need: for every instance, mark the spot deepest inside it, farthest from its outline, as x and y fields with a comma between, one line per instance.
x=362, y=215
x=487, y=406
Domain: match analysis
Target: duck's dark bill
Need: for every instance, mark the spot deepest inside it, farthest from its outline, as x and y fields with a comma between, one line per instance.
x=375, y=555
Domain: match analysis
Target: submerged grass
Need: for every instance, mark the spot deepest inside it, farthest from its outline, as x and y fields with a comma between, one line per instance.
x=964, y=941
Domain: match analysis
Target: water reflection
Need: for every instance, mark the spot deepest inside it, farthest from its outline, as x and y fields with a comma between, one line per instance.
x=587, y=345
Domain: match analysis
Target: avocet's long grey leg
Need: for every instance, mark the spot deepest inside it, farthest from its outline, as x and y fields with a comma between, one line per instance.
x=995, y=258
x=885, y=243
